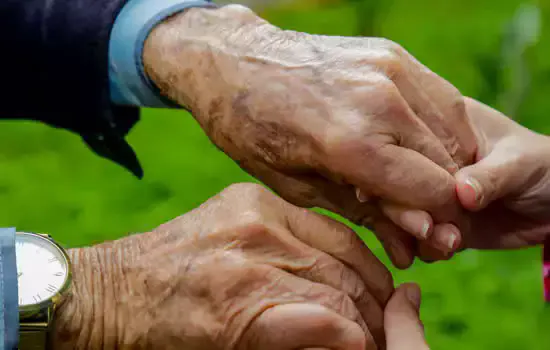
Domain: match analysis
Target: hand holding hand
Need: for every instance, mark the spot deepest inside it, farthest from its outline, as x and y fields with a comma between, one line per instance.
x=508, y=188
x=319, y=118
x=246, y=270
x=506, y=192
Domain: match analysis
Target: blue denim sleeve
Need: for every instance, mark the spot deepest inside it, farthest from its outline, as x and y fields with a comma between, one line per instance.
x=9, y=310
x=129, y=84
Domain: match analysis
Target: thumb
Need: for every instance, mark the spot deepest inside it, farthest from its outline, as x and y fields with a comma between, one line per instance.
x=404, y=330
x=303, y=326
x=501, y=173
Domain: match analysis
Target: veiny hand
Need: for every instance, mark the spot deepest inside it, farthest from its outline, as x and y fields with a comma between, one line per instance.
x=404, y=330
x=318, y=117
x=246, y=270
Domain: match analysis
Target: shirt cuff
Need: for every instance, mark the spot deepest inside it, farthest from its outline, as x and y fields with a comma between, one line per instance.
x=9, y=295
x=129, y=85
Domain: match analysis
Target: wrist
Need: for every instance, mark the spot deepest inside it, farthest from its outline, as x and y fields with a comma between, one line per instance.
x=90, y=316
x=195, y=56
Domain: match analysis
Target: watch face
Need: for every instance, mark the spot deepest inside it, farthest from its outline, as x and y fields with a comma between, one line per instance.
x=41, y=268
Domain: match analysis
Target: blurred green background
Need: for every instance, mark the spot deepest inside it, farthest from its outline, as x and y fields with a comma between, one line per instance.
x=495, y=50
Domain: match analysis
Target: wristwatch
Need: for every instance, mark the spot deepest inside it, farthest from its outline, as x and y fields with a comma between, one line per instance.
x=43, y=276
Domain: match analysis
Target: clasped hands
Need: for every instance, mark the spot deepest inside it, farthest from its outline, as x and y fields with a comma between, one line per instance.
x=353, y=125
x=356, y=126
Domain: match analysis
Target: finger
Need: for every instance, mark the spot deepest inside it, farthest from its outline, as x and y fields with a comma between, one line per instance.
x=404, y=329
x=438, y=104
x=446, y=238
x=315, y=191
x=504, y=171
x=429, y=254
x=295, y=326
x=312, y=190
x=397, y=174
x=399, y=245
x=341, y=242
x=388, y=110
x=417, y=222
x=316, y=266
x=274, y=286
x=441, y=245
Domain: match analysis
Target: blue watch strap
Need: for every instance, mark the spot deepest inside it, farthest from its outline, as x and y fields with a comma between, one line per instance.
x=9, y=310
x=128, y=82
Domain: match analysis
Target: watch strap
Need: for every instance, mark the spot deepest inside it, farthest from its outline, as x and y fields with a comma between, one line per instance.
x=33, y=338
x=9, y=301
x=33, y=332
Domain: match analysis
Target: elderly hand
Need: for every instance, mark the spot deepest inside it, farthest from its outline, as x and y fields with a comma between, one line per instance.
x=321, y=118
x=246, y=270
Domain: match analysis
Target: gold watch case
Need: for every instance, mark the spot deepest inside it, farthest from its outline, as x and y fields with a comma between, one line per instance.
x=45, y=307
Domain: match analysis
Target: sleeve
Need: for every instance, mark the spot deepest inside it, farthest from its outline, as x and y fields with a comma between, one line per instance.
x=62, y=67
x=55, y=70
x=9, y=312
x=129, y=85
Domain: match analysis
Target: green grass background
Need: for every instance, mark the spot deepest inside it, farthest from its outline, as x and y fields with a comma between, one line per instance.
x=50, y=182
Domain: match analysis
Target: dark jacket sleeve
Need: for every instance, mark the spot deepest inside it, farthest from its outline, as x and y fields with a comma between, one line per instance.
x=54, y=61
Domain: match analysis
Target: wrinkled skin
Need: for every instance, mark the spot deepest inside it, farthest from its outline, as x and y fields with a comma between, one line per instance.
x=318, y=117
x=246, y=270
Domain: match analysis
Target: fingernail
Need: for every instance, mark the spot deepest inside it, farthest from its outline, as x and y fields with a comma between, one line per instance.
x=452, y=168
x=476, y=188
x=452, y=239
x=413, y=294
x=361, y=197
x=425, y=229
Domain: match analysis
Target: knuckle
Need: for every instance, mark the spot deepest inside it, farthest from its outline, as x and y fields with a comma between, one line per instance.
x=247, y=195
x=237, y=9
x=346, y=240
x=243, y=188
x=459, y=105
x=337, y=141
x=389, y=93
x=386, y=102
x=393, y=64
x=252, y=225
x=357, y=290
x=393, y=46
x=344, y=305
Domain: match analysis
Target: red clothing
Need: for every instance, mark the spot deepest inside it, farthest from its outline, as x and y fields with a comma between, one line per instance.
x=546, y=270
